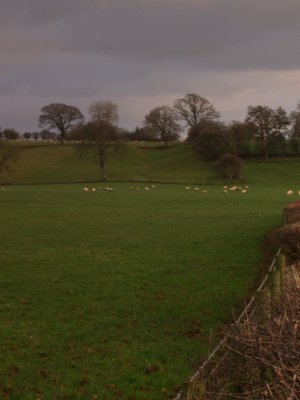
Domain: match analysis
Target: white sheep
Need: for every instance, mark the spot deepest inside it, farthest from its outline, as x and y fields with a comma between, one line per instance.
x=146, y=188
x=204, y=191
x=289, y=192
x=187, y=188
x=196, y=188
x=243, y=191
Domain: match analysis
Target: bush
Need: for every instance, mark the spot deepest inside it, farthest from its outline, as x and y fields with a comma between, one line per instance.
x=229, y=166
x=288, y=238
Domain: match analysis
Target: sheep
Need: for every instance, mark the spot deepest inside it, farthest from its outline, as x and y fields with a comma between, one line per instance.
x=93, y=189
x=196, y=188
x=153, y=186
x=298, y=192
x=85, y=189
x=204, y=191
x=225, y=191
x=243, y=191
x=289, y=192
x=187, y=188
x=131, y=188
x=146, y=188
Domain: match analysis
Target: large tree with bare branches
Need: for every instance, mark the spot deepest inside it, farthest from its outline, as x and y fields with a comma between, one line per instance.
x=61, y=117
x=194, y=109
x=161, y=121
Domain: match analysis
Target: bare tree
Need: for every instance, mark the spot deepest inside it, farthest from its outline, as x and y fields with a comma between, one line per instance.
x=161, y=121
x=102, y=139
x=267, y=125
x=101, y=135
x=61, y=117
x=194, y=109
x=104, y=111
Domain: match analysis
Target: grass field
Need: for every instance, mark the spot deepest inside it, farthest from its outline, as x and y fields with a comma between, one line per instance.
x=113, y=295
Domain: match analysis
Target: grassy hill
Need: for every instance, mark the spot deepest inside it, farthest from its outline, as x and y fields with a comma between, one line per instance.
x=53, y=163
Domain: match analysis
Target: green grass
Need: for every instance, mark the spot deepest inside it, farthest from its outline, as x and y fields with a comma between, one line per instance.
x=61, y=163
x=114, y=294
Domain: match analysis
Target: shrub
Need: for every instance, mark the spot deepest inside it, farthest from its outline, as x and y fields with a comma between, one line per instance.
x=229, y=166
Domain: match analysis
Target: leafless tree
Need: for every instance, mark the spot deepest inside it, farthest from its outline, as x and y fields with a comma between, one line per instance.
x=101, y=135
x=194, y=109
x=61, y=117
x=104, y=111
x=162, y=122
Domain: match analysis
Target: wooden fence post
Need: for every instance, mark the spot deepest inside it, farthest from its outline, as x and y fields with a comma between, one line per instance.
x=280, y=265
x=262, y=306
x=275, y=286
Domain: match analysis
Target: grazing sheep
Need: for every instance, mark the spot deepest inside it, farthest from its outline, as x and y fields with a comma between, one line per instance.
x=196, y=188
x=225, y=191
x=225, y=187
x=243, y=191
x=289, y=192
x=85, y=189
x=146, y=188
x=204, y=191
x=131, y=188
x=153, y=186
x=298, y=192
x=93, y=189
x=137, y=188
x=187, y=188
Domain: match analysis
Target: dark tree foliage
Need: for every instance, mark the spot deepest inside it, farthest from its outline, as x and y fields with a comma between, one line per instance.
x=27, y=135
x=268, y=126
x=229, y=166
x=8, y=154
x=239, y=136
x=11, y=134
x=295, y=130
x=210, y=139
x=61, y=117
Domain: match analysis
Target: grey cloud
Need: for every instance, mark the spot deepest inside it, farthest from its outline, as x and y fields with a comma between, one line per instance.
x=128, y=50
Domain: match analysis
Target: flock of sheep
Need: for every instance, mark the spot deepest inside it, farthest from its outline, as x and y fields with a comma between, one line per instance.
x=242, y=189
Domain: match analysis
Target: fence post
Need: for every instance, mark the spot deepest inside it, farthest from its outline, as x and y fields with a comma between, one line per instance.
x=262, y=306
x=280, y=265
x=275, y=286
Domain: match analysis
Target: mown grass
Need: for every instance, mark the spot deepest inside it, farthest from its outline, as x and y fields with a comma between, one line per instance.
x=113, y=295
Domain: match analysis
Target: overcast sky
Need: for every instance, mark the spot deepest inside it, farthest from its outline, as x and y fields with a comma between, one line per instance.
x=146, y=53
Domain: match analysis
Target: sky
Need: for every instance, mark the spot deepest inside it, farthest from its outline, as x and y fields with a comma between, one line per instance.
x=142, y=54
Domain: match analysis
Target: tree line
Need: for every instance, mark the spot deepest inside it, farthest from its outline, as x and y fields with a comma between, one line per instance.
x=264, y=131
